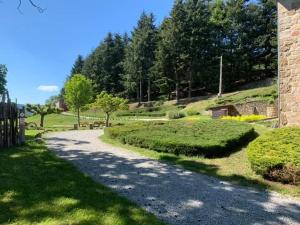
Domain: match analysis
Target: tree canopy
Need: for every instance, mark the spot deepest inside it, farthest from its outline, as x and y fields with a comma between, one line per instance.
x=109, y=104
x=78, y=93
x=42, y=110
x=182, y=54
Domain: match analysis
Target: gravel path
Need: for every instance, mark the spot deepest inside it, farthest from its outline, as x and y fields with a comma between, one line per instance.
x=177, y=196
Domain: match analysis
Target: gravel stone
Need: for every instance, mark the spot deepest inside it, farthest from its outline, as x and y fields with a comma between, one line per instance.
x=175, y=195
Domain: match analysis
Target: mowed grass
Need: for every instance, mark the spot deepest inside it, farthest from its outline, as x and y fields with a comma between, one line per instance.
x=38, y=188
x=235, y=168
x=54, y=121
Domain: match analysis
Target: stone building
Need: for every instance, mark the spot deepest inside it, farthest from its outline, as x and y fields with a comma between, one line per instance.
x=289, y=61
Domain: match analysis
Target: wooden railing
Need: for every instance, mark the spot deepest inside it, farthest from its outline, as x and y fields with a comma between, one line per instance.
x=10, y=132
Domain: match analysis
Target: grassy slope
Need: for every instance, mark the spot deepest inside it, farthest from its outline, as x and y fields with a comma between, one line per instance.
x=255, y=94
x=235, y=168
x=38, y=188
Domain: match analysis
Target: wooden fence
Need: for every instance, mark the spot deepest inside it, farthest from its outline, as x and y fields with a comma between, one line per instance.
x=10, y=133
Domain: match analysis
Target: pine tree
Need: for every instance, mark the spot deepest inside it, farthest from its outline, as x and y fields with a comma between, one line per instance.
x=78, y=65
x=165, y=60
x=3, y=73
x=179, y=43
x=140, y=62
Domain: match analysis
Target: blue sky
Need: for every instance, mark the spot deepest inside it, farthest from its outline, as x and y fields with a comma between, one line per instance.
x=39, y=49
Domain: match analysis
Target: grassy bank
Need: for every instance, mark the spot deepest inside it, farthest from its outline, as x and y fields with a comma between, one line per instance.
x=38, y=188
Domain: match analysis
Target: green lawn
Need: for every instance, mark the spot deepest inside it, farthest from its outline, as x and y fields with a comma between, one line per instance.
x=256, y=94
x=38, y=188
x=234, y=168
x=54, y=121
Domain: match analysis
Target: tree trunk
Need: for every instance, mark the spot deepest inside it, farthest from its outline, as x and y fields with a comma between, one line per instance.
x=137, y=93
x=78, y=117
x=107, y=120
x=177, y=89
x=141, y=92
x=190, y=84
x=42, y=121
x=149, y=90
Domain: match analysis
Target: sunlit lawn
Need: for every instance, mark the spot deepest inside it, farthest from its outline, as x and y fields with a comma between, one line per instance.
x=38, y=188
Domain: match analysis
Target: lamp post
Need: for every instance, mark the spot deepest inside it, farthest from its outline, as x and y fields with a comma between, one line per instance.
x=221, y=78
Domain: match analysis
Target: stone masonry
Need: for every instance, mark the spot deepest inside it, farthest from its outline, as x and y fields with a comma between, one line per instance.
x=289, y=61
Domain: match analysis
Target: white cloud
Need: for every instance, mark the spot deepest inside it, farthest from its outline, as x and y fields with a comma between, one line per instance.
x=48, y=88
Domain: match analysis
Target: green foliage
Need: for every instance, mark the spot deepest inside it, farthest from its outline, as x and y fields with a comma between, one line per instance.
x=3, y=73
x=109, y=104
x=175, y=115
x=184, y=51
x=39, y=188
x=104, y=65
x=276, y=155
x=78, y=93
x=42, y=111
x=245, y=118
x=191, y=112
x=147, y=111
x=140, y=56
x=209, y=138
x=78, y=66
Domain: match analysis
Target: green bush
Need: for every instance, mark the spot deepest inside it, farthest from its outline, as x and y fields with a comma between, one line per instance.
x=147, y=111
x=208, y=138
x=175, y=115
x=191, y=112
x=276, y=155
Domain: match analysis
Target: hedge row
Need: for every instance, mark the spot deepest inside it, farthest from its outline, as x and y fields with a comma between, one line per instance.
x=147, y=111
x=276, y=155
x=209, y=138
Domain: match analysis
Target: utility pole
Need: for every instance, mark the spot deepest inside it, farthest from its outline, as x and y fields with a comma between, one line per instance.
x=221, y=78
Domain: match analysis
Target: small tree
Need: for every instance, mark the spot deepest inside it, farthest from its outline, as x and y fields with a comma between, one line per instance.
x=109, y=104
x=78, y=93
x=42, y=110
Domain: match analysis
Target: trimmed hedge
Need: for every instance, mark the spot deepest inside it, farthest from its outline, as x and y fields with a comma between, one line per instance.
x=209, y=138
x=276, y=155
x=175, y=115
x=147, y=111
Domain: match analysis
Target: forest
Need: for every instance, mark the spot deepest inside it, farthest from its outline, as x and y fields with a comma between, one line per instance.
x=180, y=57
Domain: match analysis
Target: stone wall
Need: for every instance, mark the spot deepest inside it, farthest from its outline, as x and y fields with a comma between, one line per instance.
x=289, y=61
x=255, y=107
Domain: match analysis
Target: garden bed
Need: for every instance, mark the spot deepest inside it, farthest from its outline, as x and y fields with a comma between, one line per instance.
x=210, y=138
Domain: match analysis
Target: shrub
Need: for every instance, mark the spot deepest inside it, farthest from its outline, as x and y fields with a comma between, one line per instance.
x=276, y=155
x=147, y=111
x=209, y=137
x=191, y=112
x=245, y=118
x=175, y=115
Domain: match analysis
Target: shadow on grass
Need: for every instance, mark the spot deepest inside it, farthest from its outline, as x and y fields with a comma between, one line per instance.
x=212, y=170
x=37, y=187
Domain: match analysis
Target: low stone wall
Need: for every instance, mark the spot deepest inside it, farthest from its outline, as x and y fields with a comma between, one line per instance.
x=256, y=107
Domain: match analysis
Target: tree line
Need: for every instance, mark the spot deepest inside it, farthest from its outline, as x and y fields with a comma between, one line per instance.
x=180, y=57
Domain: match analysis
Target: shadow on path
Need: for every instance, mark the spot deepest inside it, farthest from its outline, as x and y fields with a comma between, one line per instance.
x=173, y=194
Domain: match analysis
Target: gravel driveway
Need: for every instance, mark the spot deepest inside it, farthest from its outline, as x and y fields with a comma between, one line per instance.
x=175, y=195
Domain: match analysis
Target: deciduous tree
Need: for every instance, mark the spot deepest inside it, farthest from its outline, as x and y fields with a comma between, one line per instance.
x=109, y=104
x=78, y=93
x=42, y=110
